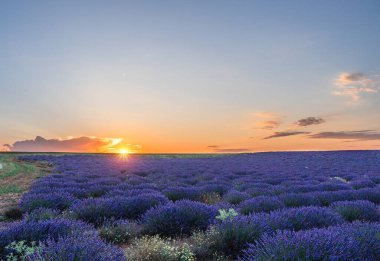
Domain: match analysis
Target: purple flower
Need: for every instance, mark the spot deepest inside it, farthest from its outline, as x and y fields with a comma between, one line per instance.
x=181, y=217
x=356, y=241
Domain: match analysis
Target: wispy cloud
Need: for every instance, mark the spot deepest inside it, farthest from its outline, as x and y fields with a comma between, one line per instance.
x=268, y=120
x=352, y=85
x=213, y=146
x=348, y=135
x=310, y=121
x=72, y=144
x=285, y=134
x=239, y=150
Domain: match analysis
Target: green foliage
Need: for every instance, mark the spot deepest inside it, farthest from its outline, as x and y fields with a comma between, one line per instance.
x=232, y=236
x=119, y=232
x=229, y=214
x=158, y=249
x=10, y=189
x=42, y=214
x=20, y=250
x=202, y=244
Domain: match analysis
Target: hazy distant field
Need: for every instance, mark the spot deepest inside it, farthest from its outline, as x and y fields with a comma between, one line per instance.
x=264, y=206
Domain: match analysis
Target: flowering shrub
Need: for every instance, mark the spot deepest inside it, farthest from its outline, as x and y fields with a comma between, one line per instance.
x=232, y=236
x=78, y=248
x=42, y=214
x=96, y=211
x=97, y=190
x=260, y=204
x=129, y=193
x=370, y=194
x=255, y=192
x=41, y=231
x=301, y=218
x=221, y=189
x=356, y=241
x=235, y=197
x=329, y=197
x=181, y=217
x=333, y=186
x=59, y=201
x=179, y=193
x=299, y=200
x=362, y=183
x=162, y=195
x=357, y=210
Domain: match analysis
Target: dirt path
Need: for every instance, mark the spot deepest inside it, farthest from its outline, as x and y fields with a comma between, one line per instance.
x=16, y=177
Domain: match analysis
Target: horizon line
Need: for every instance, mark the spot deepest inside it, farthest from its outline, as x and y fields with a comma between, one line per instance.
x=182, y=153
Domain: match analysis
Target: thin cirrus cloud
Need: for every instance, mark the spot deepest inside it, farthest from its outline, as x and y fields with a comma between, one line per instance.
x=268, y=120
x=280, y=134
x=239, y=150
x=348, y=135
x=310, y=121
x=219, y=149
x=79, y=144
x=353, y=85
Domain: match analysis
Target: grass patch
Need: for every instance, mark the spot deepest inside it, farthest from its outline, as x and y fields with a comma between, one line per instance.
x=16, y=177
x=10, y=189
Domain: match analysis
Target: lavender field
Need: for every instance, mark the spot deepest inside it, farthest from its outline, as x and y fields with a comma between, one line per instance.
x=263, y=206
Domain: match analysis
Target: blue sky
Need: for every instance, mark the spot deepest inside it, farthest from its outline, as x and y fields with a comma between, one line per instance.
x=186, y=75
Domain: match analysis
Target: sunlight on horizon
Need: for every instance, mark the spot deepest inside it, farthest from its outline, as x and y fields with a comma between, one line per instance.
x=123, y=153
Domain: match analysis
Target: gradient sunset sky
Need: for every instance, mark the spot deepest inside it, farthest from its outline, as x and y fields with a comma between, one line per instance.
x=189, y=76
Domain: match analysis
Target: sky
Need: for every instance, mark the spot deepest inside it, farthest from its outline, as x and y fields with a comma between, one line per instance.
x=189, y=76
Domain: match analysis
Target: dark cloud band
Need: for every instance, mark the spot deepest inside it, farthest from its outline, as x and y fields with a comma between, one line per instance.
x=310, y=121
x=348, y=135
x=285, y=134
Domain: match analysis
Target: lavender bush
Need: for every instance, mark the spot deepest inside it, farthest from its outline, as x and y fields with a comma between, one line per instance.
x=260, y=204
x=356, y=241
x=357, y=210
x=181, y=217
x=180, y=196
x=78, y=248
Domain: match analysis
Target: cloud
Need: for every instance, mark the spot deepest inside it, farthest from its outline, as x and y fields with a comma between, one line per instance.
x=72, y=144
x=240, y=150
x=310, y=121
x=5, y=148
x=285, y=134
x=352, y=85
x=219, y=149
x=348, y=135
x=268, y=125
x=269, y=121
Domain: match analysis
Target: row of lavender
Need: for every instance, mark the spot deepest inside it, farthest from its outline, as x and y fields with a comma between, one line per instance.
x=286, y=206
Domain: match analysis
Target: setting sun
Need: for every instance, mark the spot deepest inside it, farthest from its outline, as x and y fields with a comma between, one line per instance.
x=123, y=151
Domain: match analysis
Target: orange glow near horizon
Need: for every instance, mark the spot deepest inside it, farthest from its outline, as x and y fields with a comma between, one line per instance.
x=183, y=144
x=123, y=151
